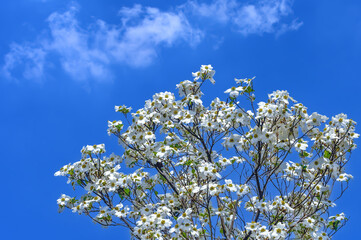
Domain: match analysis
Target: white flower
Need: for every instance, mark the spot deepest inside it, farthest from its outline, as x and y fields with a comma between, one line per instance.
x=208, y=170
x=252, y=226
x=301, y=146
x=309, y=222
x=320, y=236
x=234, y=91
x=224, y=161
x=344, y=177
x=114, y=127
x=63, y=200
x=206, y=72
x=230, y=186
x=123, y=109
x=279, y=231
x=246, y=81
x=95, y=149
x=338, y=217
x=103, y=212
x=122, y=213
x=231, y=141
x=316, y=119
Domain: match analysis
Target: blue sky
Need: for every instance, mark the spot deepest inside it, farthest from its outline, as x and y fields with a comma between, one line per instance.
x=65, y=64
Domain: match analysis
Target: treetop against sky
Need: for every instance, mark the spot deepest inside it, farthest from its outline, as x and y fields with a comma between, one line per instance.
x=217, y=172
x=65, y=64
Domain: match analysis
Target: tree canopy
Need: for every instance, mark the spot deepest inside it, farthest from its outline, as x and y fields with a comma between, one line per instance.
x=236, y=169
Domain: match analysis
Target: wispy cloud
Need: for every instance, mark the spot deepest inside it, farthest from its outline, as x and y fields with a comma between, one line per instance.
x=26, y=59
x=88, y=52
x=78, y=55
x=135, y=43
x=217, y=10
x=259, y=17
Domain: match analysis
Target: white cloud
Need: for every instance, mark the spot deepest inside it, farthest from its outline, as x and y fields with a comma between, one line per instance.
x=128, y=13
x=294, y=25
x=26, y=59
x=219, y=10
x=135, y=43
x=73, y=45
x=263, y=17
x=260, y=17
x=87, y=52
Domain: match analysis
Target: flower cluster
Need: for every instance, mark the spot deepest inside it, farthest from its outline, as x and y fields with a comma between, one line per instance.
x=271, y=171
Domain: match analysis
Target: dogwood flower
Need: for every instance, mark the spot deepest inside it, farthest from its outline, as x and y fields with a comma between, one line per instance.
x=234, y=91
x=344, y=177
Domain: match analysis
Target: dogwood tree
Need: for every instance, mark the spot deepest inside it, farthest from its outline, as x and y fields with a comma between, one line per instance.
x=266, y=170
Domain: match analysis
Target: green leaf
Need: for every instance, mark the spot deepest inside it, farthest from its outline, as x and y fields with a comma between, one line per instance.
x=189, y=162
x=126, y=191
x=121, y=196
x=304, y=154
x=333, y=224
x=249, y=89
x=163, y=178
x=327, y=154
x=79, y=182
x=176, y=146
